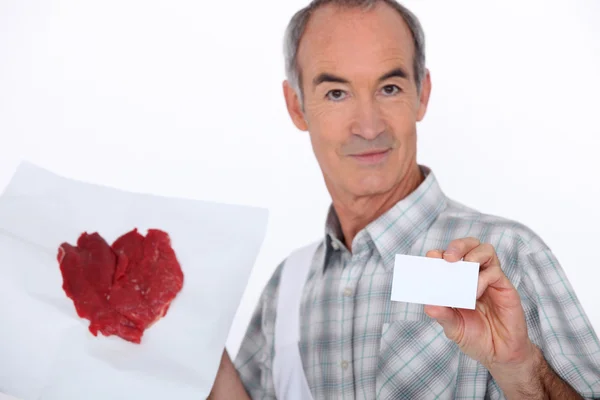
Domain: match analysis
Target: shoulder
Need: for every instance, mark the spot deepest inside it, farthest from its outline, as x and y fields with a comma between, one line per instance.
x=311, y=253
x=269, y=293
x=515, y=243
x=489, y=228
x=266, y=308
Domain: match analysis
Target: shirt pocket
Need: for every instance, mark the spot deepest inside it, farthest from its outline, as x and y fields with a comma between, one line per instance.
x=404, y=312
x=416, y=360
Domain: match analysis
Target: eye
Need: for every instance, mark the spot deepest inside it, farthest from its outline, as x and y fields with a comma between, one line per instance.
x=336, y=95
x=390, y=90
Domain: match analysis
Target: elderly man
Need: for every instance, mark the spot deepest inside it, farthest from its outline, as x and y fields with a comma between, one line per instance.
x=325, y=326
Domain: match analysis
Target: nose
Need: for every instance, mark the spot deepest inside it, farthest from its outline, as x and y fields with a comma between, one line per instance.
x=368, y=121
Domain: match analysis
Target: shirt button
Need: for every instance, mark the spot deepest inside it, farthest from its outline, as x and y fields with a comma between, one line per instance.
x=263, y=358
x=335, y=245
x=347, y=292
x=345, y=364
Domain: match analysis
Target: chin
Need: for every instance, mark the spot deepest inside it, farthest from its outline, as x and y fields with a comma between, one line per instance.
x=372, y=185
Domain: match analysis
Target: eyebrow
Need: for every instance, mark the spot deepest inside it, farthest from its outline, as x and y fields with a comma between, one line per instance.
x=395, y=73
x=327, y=77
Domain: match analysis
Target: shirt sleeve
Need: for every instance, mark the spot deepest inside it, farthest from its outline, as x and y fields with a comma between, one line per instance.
x=558, y=324
x=254, y=360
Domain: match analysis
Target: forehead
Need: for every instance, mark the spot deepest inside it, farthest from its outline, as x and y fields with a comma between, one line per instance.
x=354, y=41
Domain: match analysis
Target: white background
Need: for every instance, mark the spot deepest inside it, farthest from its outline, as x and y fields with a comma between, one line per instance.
x=183, y=98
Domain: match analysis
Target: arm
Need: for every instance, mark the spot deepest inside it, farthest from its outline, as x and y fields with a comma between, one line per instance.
x=250, y=375
x=560, y=327
x=501, y=332
x=535, y=380
x=228, y=384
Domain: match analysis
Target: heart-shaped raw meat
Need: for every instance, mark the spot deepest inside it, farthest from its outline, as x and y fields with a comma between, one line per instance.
x=124, y=288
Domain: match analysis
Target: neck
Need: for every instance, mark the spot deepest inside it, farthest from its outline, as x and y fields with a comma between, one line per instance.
x=355, y=213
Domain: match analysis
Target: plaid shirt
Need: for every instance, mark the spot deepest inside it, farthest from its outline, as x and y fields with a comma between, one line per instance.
x=356, y=343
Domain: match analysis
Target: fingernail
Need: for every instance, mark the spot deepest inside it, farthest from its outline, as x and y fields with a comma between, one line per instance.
x=451, y=251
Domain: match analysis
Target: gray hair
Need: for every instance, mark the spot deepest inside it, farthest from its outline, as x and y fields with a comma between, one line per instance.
x=297, y=26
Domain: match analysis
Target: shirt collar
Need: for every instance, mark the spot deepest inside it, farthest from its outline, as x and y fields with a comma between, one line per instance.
x=396, y=230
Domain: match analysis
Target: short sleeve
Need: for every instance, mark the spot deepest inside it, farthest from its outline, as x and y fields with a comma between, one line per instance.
x=558, y=324
x=254, y=360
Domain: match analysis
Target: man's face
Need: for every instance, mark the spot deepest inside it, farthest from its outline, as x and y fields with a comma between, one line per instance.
x=361, y=103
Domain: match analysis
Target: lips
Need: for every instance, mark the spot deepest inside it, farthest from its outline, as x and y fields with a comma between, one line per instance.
x=371, y=157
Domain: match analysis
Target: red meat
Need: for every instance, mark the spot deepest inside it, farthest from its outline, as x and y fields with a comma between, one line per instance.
x=124, y=288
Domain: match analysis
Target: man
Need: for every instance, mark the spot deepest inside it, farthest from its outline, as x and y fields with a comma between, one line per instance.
x=357, y=83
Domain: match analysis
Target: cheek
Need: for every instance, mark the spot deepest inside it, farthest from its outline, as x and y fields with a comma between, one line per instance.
x=322, y=142
x=401, y=111
x=328, y=129
x=329, y=118
x=401, y=121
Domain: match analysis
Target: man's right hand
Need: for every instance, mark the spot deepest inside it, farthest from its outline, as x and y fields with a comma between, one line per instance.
x=228, y=384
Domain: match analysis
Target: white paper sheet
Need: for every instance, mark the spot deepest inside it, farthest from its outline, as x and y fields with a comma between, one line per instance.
x=46, y=350
x=435, y=281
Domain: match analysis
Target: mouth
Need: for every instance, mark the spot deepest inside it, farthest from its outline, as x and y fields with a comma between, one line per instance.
x=372, y=156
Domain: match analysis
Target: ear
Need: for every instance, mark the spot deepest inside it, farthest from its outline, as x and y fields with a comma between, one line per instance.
x=294, y=107
x=424, y=98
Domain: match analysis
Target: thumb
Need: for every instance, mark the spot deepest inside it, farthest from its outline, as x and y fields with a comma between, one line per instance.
x=448, y=318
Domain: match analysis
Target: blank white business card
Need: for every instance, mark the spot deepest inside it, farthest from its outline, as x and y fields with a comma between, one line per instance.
x=435, y=281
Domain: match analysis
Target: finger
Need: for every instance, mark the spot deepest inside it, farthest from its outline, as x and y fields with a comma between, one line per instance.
x=492, y=277
x=485, y=255
x=449, y=319
x=435, y=253
x=458, y=248
x=491, y=274
x=489, y=277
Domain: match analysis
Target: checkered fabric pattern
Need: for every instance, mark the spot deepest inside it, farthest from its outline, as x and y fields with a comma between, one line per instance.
x=357, y=344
